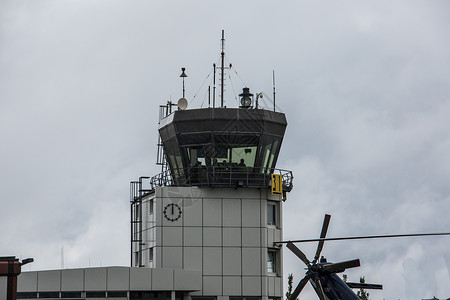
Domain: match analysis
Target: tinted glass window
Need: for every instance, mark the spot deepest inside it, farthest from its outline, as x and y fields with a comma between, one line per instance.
x=117, y=294
x=70, y=294
x=271, y=262
x=26, y=295
x=48, y=294
x=95, y=294
x=271, y=211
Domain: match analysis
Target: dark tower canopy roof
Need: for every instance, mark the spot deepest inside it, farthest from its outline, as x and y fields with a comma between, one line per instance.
x=232, y=120
x=222, y=146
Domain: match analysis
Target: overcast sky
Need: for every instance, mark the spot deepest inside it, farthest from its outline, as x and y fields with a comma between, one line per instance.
x=365, y=86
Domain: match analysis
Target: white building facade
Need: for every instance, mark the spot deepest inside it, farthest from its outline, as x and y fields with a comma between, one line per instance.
x=227, y=234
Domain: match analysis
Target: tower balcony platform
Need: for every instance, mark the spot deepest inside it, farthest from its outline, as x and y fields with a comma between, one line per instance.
x=213, y=177
x=223, y=176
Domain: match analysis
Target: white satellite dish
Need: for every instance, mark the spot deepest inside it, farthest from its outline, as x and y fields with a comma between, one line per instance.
x=182, y=103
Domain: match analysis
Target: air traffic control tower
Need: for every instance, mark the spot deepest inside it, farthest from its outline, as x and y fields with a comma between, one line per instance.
x=216, y=207
x=205, y=227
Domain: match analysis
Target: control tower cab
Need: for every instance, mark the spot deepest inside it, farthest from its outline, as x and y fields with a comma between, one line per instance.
x=222, y=147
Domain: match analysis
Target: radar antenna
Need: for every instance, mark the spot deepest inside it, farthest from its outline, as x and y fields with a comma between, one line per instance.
x=182, y=103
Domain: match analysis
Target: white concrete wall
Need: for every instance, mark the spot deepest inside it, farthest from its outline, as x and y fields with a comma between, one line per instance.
x=222, y=233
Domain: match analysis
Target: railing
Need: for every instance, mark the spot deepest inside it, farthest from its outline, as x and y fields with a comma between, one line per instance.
x=137, y=189
x=218, y=176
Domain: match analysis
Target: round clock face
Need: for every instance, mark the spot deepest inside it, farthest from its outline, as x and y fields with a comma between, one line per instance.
x=172, y=212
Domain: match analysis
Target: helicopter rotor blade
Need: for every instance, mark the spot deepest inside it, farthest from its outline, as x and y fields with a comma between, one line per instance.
x=326, y=222
x=341, y=266
x=364, y=237
x=299, y=253
x=319, y=289
x=299, y=287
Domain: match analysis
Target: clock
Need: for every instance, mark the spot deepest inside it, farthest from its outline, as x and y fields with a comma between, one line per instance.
x=172, y=212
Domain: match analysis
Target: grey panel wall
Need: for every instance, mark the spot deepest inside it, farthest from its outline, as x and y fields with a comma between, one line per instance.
x=109, y=279
x=222, y=233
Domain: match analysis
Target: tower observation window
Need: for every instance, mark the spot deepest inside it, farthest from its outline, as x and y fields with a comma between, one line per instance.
x=236, y=150
x=174, y=158
x=269, y=148
x=243, y=156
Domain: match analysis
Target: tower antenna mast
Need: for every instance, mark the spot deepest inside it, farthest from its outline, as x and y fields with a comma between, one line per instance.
x=214, y=86
x=222, y=69
x=273, y=78
x=183, y=75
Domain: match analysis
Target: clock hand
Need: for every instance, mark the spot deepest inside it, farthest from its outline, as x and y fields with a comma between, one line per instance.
x=172, y=208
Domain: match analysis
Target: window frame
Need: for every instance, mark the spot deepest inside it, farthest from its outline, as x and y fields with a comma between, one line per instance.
x=275, y=216
x=151, y=254
x=274, y=254
x=151, y=208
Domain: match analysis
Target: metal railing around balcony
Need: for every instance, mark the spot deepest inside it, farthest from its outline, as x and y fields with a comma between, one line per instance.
x=219, y=176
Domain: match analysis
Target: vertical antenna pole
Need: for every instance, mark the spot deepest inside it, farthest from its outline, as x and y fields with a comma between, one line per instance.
x=273, y=76
x=222, y=69
x=214, y=86
x=209, y=96
x=183, y=75
x=62, y=257
x=131, y=227
x=183, y=87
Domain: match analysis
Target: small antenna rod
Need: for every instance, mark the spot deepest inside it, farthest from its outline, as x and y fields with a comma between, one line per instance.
x=183, y=75
x=273, y=76
x=214, y=86
x=62, y=257
x=222, y=69
x=209, y=96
